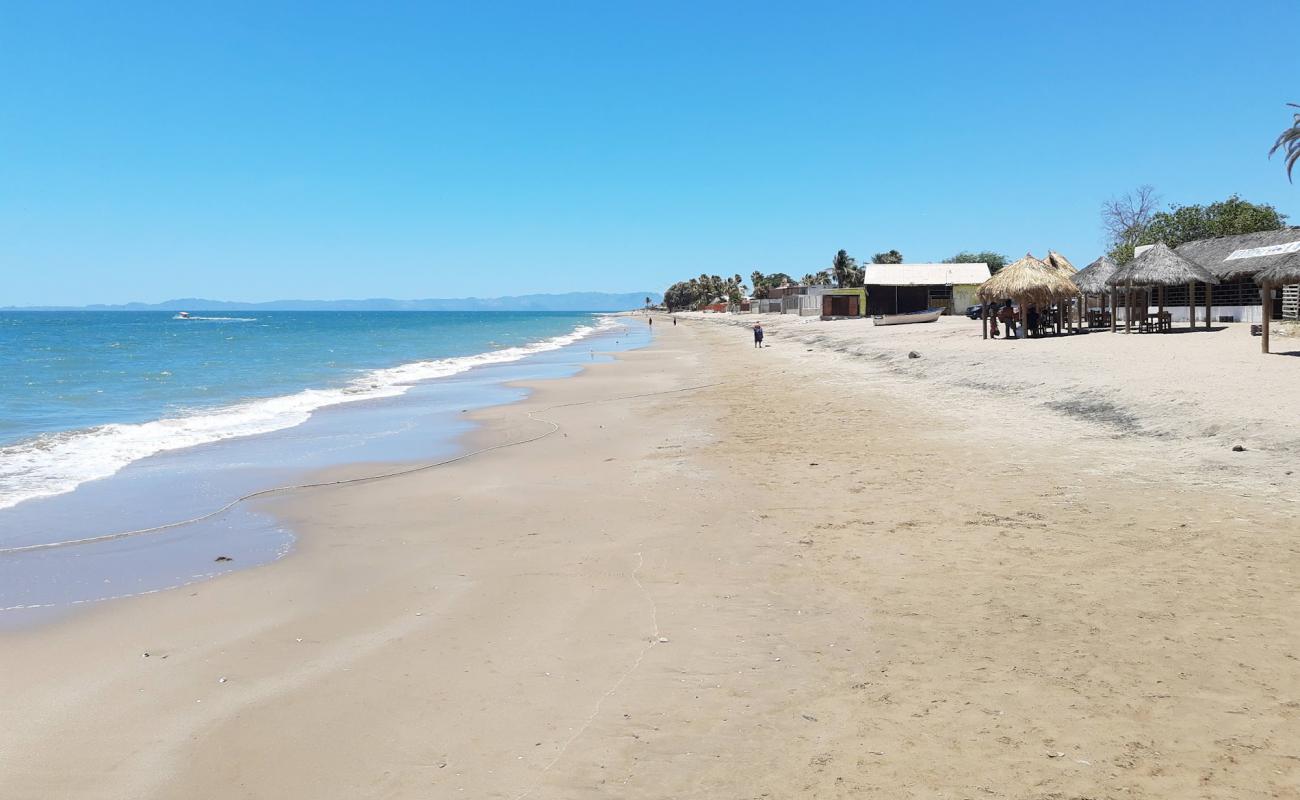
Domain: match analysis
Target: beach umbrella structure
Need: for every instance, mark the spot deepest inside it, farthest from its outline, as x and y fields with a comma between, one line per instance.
x=1156, y=268
x=1091, y=280
x=1283, y=274
x=1028, y=280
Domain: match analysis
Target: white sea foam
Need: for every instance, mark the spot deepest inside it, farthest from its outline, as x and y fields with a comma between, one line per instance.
x=58, y=463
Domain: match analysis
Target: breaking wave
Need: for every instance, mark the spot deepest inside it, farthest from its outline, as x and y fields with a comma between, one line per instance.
x=57, y=463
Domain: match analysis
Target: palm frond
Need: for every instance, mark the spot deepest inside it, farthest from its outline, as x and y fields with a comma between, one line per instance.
x=1289, y=144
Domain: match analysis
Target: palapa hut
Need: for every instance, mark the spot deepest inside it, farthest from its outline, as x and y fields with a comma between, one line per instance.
x=1158, y=267
x=1062, y=265
x=1285, y=273
x=1091, y=280
x=1235, y=261
x=1026, y=281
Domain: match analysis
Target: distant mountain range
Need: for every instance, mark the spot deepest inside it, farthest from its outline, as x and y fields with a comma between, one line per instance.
x=571, y=301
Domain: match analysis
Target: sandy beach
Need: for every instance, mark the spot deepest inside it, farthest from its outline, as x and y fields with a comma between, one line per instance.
x=821, y=569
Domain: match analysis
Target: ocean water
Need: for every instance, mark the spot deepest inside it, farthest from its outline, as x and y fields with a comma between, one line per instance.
x=83, y=394
x=117, y=421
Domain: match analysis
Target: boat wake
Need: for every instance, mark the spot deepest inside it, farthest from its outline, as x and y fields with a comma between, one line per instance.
x=192, y=318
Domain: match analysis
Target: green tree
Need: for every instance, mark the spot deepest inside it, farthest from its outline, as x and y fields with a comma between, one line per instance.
x=682, y=296
x=735, y=289
x=888, y=257
x=845, y=270
x=822, y=278
x=764, y=283
x=1289, y=143
x=1182, y=224
x=996, y=261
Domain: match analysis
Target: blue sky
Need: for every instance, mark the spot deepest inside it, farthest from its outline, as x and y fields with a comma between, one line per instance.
x=256, y=151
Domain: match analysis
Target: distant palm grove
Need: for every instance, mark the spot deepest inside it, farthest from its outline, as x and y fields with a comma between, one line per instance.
x=844, y=271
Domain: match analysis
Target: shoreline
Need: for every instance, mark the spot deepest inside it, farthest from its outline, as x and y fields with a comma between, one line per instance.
x=242, y=537
x=314, y=574
x=258, y=414
x=789, y=583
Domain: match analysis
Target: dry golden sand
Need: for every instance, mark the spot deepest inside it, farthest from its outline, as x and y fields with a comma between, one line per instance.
x=840, y=573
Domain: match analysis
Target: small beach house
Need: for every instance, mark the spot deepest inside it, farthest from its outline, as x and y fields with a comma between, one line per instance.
x=900, y=288
x=845, y=302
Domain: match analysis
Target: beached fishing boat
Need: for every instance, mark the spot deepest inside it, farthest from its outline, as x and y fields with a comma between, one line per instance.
x=928, y=315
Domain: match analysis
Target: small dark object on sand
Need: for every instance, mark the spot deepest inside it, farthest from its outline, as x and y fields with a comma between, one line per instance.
x=913, y=354
x=1236, y=448
x=223, y=558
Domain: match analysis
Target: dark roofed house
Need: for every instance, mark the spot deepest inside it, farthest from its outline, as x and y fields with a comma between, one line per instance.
x=1236, y=261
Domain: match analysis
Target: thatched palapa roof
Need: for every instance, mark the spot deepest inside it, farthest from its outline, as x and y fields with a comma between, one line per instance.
x=1027, y=281
x=1246, y=254
x=1160, y=266
x=1060, y=263
x=1092, y=278
x=1280, y=275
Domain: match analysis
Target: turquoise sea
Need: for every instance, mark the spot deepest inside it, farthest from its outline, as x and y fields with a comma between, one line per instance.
x=86, y=393
x=113, y=421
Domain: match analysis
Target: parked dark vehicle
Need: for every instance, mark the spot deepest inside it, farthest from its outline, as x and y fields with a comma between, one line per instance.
x=973, y=312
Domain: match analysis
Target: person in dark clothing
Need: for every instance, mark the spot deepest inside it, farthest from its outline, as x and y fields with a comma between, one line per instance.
x=1007, y=316
x=1032, y=316
x=758, y=335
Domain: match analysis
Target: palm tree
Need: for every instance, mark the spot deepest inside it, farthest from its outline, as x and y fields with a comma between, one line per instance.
x=1289, y=143
x=842, y=268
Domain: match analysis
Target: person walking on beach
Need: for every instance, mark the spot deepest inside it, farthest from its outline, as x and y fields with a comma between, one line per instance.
x=674, y=322
x=758, y=335
x=650, y=321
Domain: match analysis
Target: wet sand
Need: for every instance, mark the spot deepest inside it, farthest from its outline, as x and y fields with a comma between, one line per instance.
x=833, y=571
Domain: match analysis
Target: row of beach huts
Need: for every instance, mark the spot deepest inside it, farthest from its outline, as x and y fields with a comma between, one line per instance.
x=1252, y=278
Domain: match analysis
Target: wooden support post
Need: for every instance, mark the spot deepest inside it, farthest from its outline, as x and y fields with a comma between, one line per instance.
x=1160, y=318
x=1191, y=304
x=1265, y=295
x=1128, y=311
x=984, y=319
x=1114, y=309
x=1023, y=333
x=1209, y=304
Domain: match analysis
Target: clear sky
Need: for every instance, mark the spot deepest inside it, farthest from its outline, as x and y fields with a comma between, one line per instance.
x=255, y=151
